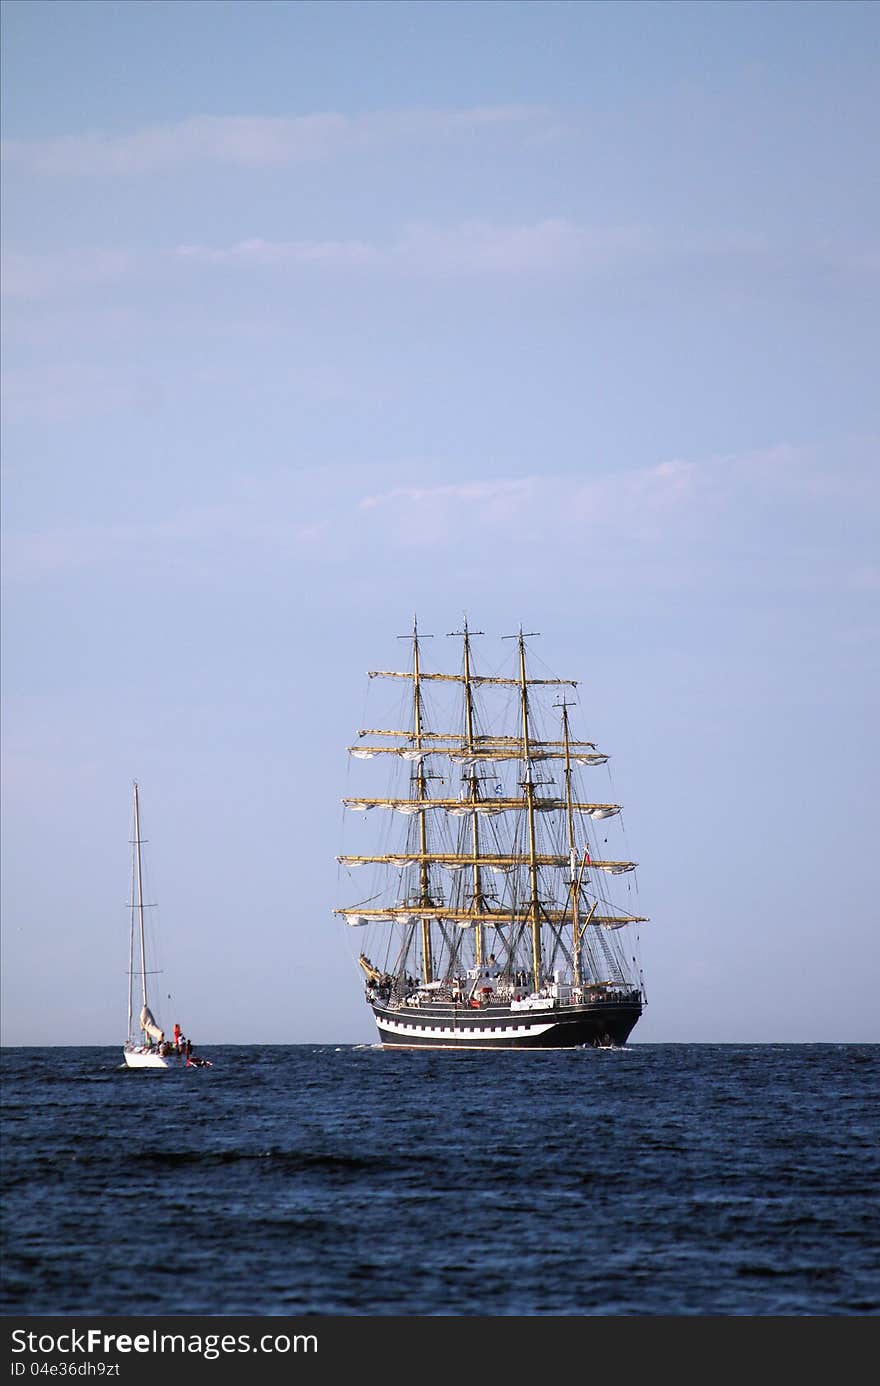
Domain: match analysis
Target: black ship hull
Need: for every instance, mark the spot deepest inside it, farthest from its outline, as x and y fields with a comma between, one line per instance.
x=603, y=1024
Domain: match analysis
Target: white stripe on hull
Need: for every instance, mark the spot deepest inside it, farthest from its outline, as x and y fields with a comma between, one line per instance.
x=476, y=1032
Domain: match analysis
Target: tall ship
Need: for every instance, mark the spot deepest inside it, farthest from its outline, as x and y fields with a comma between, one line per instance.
x=488, y=921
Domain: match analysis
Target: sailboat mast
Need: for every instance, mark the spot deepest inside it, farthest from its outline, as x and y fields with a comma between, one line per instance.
x=475, y=831
x=140, y=895
x=421, y=787
x=572, y=856
x=530, y=811
x=131, y=898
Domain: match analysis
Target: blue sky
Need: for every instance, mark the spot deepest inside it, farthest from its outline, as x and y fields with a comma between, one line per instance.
x=316, y=315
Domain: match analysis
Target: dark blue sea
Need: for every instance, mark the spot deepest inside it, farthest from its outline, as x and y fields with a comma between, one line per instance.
x=651, y=1180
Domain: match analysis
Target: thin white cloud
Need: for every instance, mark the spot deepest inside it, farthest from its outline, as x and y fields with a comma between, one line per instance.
x=481, y=492
x=646, y=503
x=255, y=141
x=554, y=245
x=535, y=507
x=662, y=522
x=29, y=276
x=333, y=254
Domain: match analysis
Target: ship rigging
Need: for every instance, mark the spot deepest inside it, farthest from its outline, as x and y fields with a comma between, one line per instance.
x=491, y=924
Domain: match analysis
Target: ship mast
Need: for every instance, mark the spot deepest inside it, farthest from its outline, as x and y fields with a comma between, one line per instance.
x=422, y=794
x=572, y=853
x=474, y=789
x=529, y=789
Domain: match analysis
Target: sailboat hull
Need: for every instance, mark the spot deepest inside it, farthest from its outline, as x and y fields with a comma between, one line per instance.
x=603, y=1025
x=145, y=1058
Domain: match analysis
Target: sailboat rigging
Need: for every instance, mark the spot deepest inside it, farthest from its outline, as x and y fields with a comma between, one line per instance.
x=498, y=931
x=147, y=1045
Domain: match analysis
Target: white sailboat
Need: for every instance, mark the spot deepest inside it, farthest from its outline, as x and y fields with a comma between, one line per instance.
x=146, y=1046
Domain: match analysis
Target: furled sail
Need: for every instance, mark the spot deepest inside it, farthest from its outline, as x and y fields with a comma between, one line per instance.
x=149, y=1026
x=358, y=921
